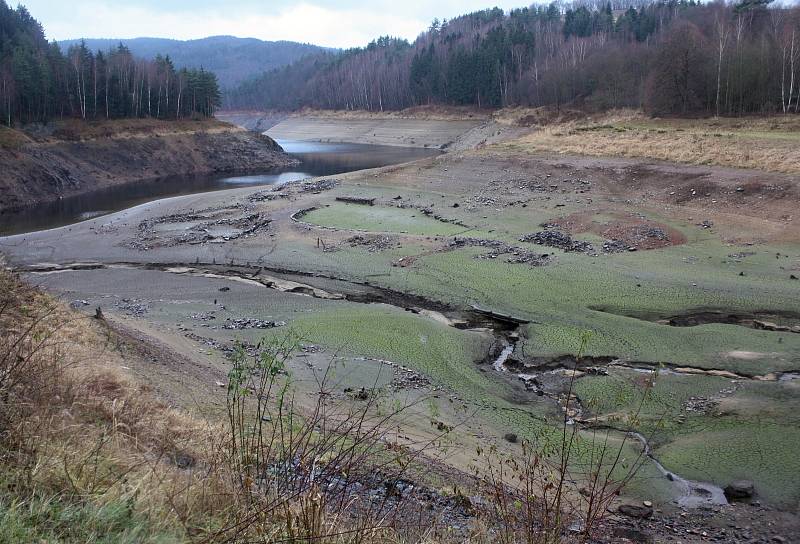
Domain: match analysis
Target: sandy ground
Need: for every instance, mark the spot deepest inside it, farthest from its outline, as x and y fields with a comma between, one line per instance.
x=402, y=132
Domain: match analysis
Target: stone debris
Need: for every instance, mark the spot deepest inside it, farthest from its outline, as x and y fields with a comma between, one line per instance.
x=290, y=188
x=356, y=200
x=700, y=405
x=251, y=323
x=132, y=307
x=516, y=254
x=222, y=224
x=559, y=240
x=642, y=233
x=615, y=246
x=373, y=242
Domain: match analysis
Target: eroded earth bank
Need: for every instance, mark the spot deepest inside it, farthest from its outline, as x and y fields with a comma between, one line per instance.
x=46, y=163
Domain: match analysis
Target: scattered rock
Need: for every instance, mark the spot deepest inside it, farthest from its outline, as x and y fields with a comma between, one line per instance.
x=615, y=246
x=251, y=323
x=373, y=242
x=558, y=239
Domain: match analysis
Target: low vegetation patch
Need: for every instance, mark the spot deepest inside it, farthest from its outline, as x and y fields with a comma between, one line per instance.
x=769, y=144
x=90, y=455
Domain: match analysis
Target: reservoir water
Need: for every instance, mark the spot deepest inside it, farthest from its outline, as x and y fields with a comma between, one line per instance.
x=316, y=159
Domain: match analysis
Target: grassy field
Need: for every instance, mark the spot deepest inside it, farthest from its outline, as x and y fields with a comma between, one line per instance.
x=769, y=144
x=617, y=297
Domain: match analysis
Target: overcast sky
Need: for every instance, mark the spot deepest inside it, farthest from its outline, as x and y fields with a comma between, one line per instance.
x=332, y=23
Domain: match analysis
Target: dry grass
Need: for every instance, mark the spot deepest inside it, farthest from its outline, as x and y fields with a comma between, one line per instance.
x=74, y=130
x=78, y=432
x=769, y=144
x=12, y=139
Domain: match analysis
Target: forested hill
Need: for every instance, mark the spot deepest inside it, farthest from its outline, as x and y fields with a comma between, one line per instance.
x=38, y=82
x=670, y=57
x=231, y=59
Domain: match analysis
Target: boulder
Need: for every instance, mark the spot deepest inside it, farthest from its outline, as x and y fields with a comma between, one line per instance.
x=511, y=437
x=739, y=490
x=631, y=510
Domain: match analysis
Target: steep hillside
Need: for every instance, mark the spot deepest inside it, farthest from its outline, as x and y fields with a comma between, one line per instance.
x=670, y=57
x=232, y=59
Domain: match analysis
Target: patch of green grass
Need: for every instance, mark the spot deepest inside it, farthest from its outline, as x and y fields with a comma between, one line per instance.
x=625, y=390
x=729, y=448
x=444, y=353
x=380, y=219
x=754, y=432
x=54, y=519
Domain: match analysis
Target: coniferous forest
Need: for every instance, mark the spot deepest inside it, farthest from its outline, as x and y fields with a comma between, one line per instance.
x=673, y=57
x=38, y=82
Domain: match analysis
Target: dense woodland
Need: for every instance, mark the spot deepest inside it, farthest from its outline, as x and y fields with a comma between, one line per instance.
x=674, y=57
x=232, y=59
x=39, y=83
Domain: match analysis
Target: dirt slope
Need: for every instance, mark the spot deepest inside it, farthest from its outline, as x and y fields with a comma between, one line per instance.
x=66, y=161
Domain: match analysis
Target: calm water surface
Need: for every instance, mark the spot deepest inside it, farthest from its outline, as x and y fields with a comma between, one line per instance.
x=316, y=159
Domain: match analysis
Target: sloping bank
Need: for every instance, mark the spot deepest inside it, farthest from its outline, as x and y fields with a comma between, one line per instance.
x=42, y=164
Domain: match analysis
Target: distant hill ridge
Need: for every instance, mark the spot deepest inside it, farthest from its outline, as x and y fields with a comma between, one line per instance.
x=232, y=59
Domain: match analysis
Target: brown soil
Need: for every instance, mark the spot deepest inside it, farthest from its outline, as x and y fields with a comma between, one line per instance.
x=631, y=229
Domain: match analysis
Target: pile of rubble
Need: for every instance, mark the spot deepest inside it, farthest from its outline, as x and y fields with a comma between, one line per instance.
x=203, y=316
x=373, y=242
x=405, y=378
x=286, y=190
x=251, y=323
x=647, y=232
x=132, y=307
x=559, y=240
x=617, y=246
x=517, y=255
x=700, y=405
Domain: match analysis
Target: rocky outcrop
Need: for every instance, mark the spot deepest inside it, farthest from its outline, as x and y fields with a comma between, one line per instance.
x=51, y=168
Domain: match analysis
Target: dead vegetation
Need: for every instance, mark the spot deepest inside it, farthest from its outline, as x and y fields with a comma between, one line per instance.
x=78, y=130
x=763, y=143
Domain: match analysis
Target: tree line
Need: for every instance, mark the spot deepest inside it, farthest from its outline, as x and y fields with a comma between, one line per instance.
x=669, y=57
x=38, y=82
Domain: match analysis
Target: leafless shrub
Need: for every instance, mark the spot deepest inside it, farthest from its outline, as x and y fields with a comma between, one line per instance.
x=561, y=486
